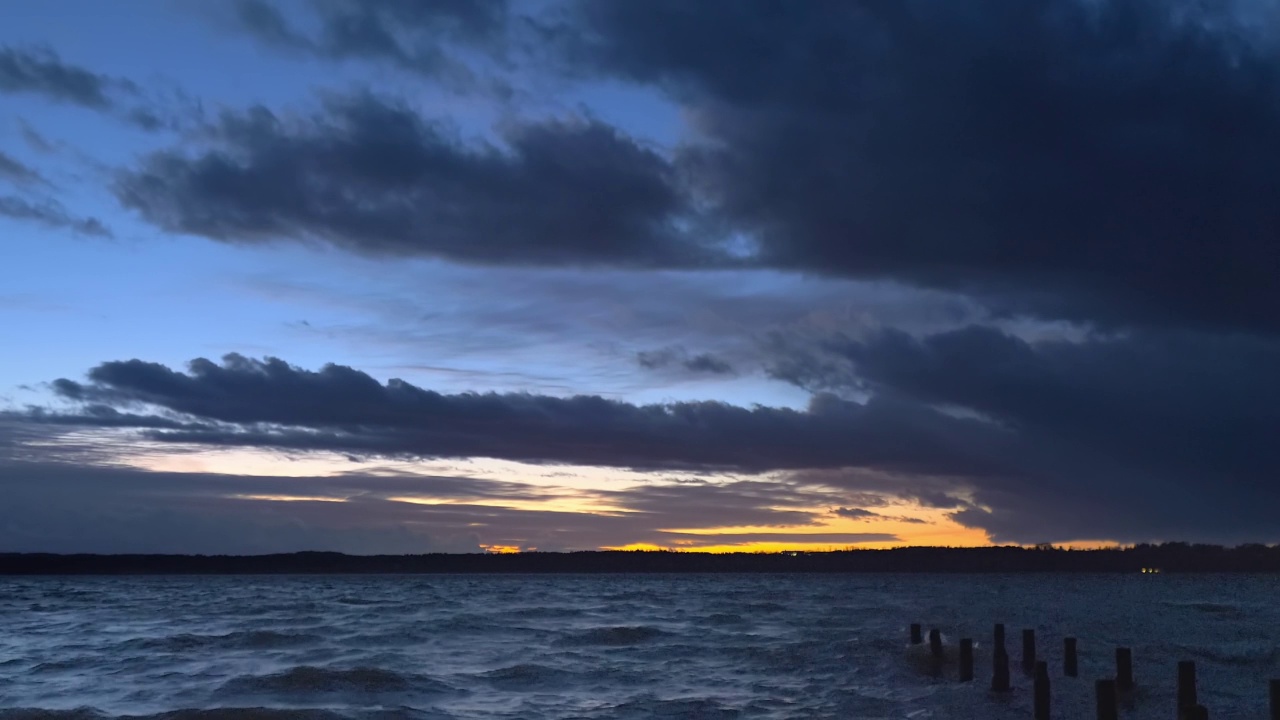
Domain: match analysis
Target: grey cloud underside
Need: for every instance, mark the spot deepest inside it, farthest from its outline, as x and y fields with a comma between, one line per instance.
x=1108, y=161
x=270, y=403
x=50, y=213
x=372, y=176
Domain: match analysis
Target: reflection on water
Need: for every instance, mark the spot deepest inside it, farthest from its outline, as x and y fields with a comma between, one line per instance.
x=692, y=646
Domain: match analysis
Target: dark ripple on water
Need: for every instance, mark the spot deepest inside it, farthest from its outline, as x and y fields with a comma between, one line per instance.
x=602, y=648
x=241, y=640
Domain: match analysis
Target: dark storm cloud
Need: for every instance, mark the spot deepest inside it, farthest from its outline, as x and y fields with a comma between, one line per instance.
x=855, y=513
x=1113, y=161
x=1149, y=435
x=19, y=173
x=372, y=176
x=415, y=36
x=41, y=71
x=51, y=214
x=1108, y=161
x=270, y=403
x=679, y=357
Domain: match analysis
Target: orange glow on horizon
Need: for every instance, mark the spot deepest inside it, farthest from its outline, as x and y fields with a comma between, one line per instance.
x=290, y=498
x=580, y=491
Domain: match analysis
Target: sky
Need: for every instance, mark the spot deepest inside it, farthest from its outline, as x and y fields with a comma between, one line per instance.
x=495, y=275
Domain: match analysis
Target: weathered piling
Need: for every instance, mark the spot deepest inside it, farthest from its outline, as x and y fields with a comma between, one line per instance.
x=1186, y=686
x=1029, y=650
x=966, y=660
x=1000, y=673
x=1275, y=699
x=999, y=661
x=935, y=643
x=1124, y=669
x=1070, y=667
x=1042, y=691
x=916, y=637
x=1108, y=705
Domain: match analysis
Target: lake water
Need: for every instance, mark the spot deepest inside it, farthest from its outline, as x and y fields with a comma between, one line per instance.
x=687, y=646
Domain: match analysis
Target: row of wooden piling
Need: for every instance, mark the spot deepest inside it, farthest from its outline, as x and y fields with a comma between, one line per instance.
x=1107, y=691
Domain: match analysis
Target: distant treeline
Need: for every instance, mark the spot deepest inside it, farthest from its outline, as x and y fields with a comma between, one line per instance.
x=1168, y=558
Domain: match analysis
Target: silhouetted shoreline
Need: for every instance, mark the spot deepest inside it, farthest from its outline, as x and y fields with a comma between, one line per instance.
x=1166, y=558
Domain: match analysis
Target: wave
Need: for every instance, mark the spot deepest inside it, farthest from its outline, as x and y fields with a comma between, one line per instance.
x=249, y=713
x=620, y=635
x=472, y=622
x=681, y=708
x=240, y=640
x=75, y=663
x=68, y=593
x=546, y=612
x=725, y=619
x=38, y=714
x=309, y=679
x=1247, y=652
x=246, y=713
x=1217, y=608
x=767, y=606
x=527, y=674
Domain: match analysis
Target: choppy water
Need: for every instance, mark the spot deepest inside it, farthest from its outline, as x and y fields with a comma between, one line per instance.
x=690, y=646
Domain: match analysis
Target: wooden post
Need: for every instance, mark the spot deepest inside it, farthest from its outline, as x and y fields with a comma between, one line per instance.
x=1124, y=669
x=1275, y=699
x=1042, y=690
x=1000, y=674
x=966, y=660
x=1199, y=712
x=1029, y=650
x=935, y=644
x=1186, y=686
x=999, y=662
x=916, y=637
x=1108, y=706
x=1069, y=665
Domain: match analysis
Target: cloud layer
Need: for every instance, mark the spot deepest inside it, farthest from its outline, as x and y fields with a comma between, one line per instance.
x=42, y=71
x=1132, y=438
x=1093, y=184
x=1102, y=161
x=372, y=176
x=271, y=403
x=1152, y=435
x=78, y=504
x=1109, y=162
